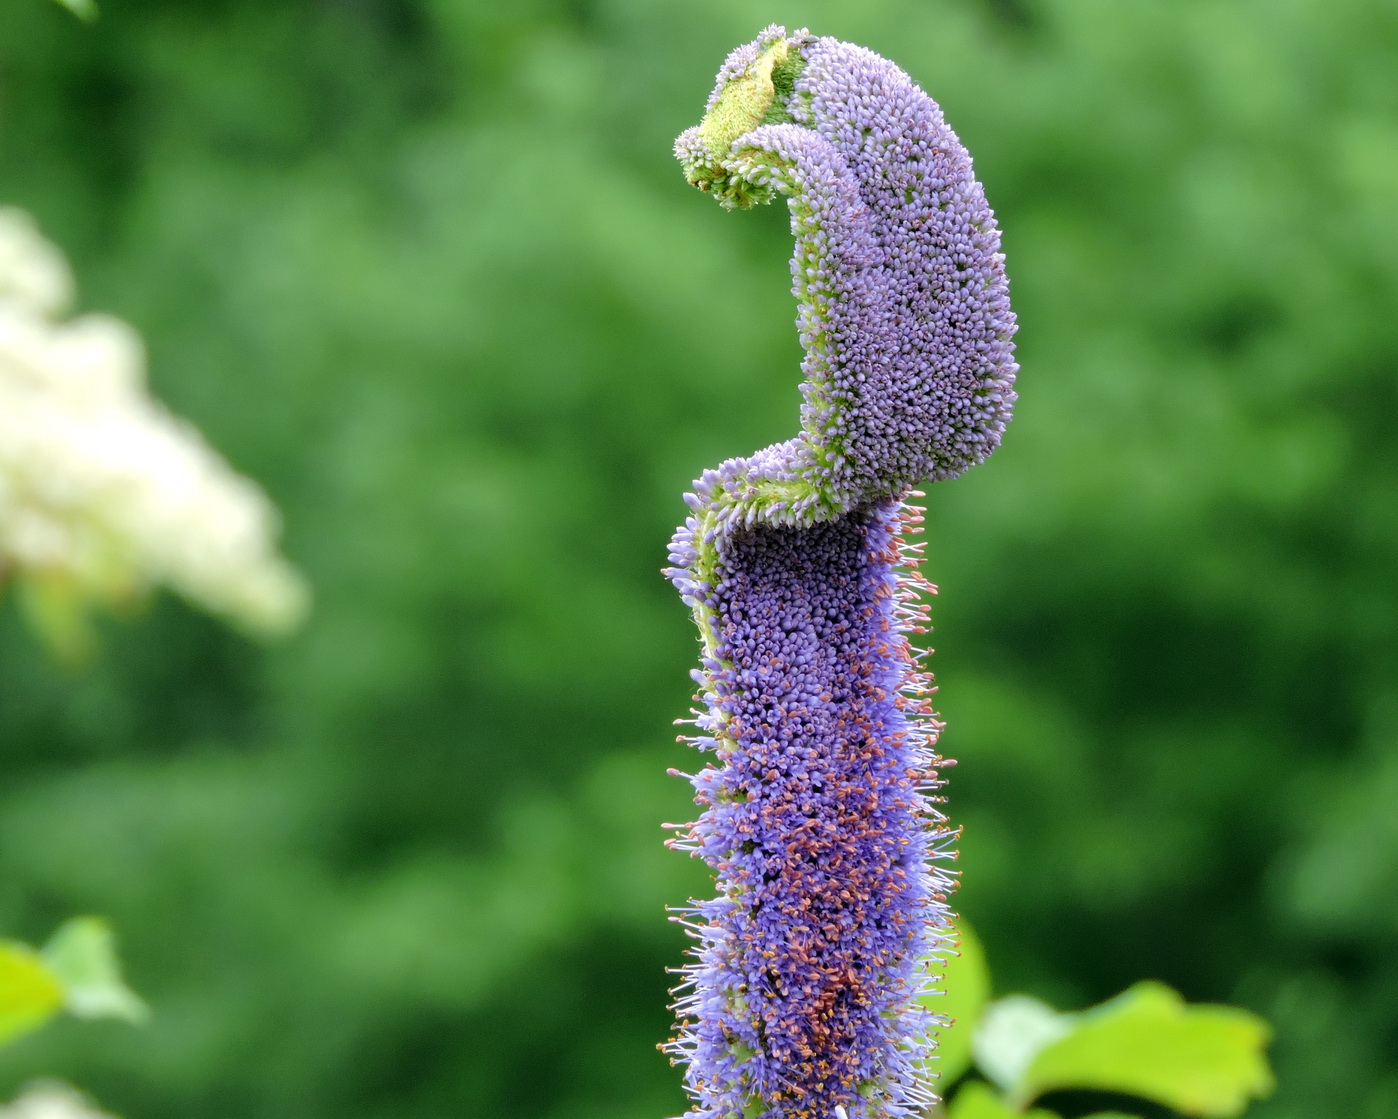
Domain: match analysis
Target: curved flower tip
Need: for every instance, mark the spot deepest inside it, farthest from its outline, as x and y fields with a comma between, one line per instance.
x=904, y=306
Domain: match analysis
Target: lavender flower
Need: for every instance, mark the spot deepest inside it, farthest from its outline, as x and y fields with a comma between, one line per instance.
x=801, y=1000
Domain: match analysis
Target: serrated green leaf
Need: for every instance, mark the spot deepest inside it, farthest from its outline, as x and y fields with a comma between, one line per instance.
x=977, y=1100
x=1205, y=1061
x=965, y=989
x=1011, y=1034
x=82, y=954
x=83, y=9
x=29, y=993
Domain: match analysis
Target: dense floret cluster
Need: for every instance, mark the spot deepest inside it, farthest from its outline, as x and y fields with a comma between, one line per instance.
x=809, y=961
x=802, y=998
x=103, y=492
x=904, y=308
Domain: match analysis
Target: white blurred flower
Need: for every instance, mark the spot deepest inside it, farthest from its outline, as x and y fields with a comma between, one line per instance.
x=32, y=272
x=48, y=1099
x=102, y=491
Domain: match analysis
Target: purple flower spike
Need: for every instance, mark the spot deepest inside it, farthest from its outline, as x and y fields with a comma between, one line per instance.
x=801, y=1001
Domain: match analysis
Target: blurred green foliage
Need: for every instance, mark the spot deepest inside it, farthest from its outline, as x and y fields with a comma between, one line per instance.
x=83, y=9
x=77, y=971
x=1146, y=1044
x=426, y=270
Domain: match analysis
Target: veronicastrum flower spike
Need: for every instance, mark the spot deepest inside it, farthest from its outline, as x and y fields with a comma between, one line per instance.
x=801, y=999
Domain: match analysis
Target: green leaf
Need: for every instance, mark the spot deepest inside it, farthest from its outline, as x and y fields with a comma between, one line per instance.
x=82, y=954
x=1011, y=1034
x=977, y=1100
x=29, y=993
x=1200, y=1060
x=83, y=9
x=963, y=991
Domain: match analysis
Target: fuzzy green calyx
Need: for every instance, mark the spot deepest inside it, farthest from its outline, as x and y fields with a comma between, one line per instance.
x=744, y=102
x=753, y=97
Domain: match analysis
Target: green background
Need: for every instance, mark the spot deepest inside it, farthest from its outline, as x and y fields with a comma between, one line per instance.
x=427, y=271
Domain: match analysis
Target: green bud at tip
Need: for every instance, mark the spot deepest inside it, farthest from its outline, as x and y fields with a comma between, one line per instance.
x=745, y=102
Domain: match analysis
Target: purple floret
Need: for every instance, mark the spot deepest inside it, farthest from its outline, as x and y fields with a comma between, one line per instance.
x=803, y=994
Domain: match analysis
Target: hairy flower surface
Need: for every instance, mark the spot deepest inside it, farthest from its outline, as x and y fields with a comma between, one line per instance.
x=801, y=1000
x=102, y=491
